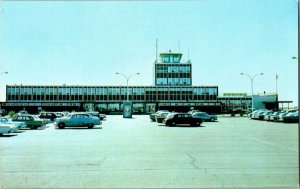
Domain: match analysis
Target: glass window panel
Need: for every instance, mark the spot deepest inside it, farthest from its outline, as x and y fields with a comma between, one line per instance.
x=80, y=91
x=22, y=91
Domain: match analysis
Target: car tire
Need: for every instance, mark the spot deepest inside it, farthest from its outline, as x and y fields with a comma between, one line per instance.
x=173, y=123
x=61, y=125
x=90, y=125
x=34, y=127
x=212, y=119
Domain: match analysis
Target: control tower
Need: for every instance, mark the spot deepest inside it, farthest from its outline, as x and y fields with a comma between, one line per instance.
x=170, y=71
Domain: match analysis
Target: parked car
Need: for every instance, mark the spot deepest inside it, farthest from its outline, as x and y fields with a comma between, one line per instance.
x=97, y=114
x=102, y=116
x=258, y=114
x=254, y=114
x=152, y=116
x=274, y=116
x=193, y=111
x=182, y=118
x=284, y=113
x=22, y=112
x=48, y=115
x=204, y=116
x=59, y=114
x=18, y=124
x=292, y=117
x=268, y=115
x=161, y=116
x=240, y=111
x=30, y=120
x=262, y=114
x=77, y=120
x=7, y=128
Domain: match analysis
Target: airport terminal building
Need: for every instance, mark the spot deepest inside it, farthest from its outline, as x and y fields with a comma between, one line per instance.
x=172, y=90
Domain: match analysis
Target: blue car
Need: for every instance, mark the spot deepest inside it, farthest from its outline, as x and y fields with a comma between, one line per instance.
x=204, y=116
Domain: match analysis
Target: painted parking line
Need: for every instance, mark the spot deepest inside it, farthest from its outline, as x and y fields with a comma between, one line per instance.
x=270, y=143
x=261, y=172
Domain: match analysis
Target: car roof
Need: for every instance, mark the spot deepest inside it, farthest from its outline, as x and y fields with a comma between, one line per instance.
x=79, y=113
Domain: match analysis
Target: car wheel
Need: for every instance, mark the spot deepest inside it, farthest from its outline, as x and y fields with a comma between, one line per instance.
x=90, y=125
x=173, y=123
x=212, y=119
x=61, y=125
x=34, y=127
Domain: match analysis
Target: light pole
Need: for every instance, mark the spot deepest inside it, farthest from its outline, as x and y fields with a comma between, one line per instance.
x=127, y=79
x=252, y=78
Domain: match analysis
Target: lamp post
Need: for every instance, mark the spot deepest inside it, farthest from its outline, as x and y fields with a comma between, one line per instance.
x=127, y=79
x=252, y=78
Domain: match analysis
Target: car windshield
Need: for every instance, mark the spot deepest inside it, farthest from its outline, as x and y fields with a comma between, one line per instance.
x=170, y=115
x=290, y=114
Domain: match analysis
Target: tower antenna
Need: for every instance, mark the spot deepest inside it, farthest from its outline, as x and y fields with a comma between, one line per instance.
x=179, y=46
x=188, y=53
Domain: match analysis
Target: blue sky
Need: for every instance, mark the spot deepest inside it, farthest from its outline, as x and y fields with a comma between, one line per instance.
x=85, y=43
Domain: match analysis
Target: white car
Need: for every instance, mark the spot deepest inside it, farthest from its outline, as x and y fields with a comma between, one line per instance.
x=18, y=124
x=77, y=120
x=7, y=128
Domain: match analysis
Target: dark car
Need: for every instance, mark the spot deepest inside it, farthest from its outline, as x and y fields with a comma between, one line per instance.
x=292, y=117
x=182, y=118
x=48, y=115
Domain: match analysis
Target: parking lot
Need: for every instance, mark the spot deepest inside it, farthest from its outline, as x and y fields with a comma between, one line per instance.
x=136, y=153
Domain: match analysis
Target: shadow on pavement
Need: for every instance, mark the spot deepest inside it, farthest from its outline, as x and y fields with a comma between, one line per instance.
x=79, y=128
x=183, y=125
x=20, y=131
x=8, y=135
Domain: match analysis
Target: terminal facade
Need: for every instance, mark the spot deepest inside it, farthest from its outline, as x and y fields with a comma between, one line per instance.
x=172, y=90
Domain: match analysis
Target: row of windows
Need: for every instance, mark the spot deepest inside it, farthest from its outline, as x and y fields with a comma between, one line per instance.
x=171, y=69
x=109, y=90
x=173, y=81
x=178, y=75
x=170, y=58
x=149, y=97
x=236, y=101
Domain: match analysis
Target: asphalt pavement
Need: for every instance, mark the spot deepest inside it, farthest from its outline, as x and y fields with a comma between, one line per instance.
x=137, y=153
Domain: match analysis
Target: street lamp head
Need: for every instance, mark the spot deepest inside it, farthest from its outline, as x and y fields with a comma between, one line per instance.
x=117, y=72
x=138, y=73
x=294, y=57
x=261, y=73
x=6, y=72
x=242, y=73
